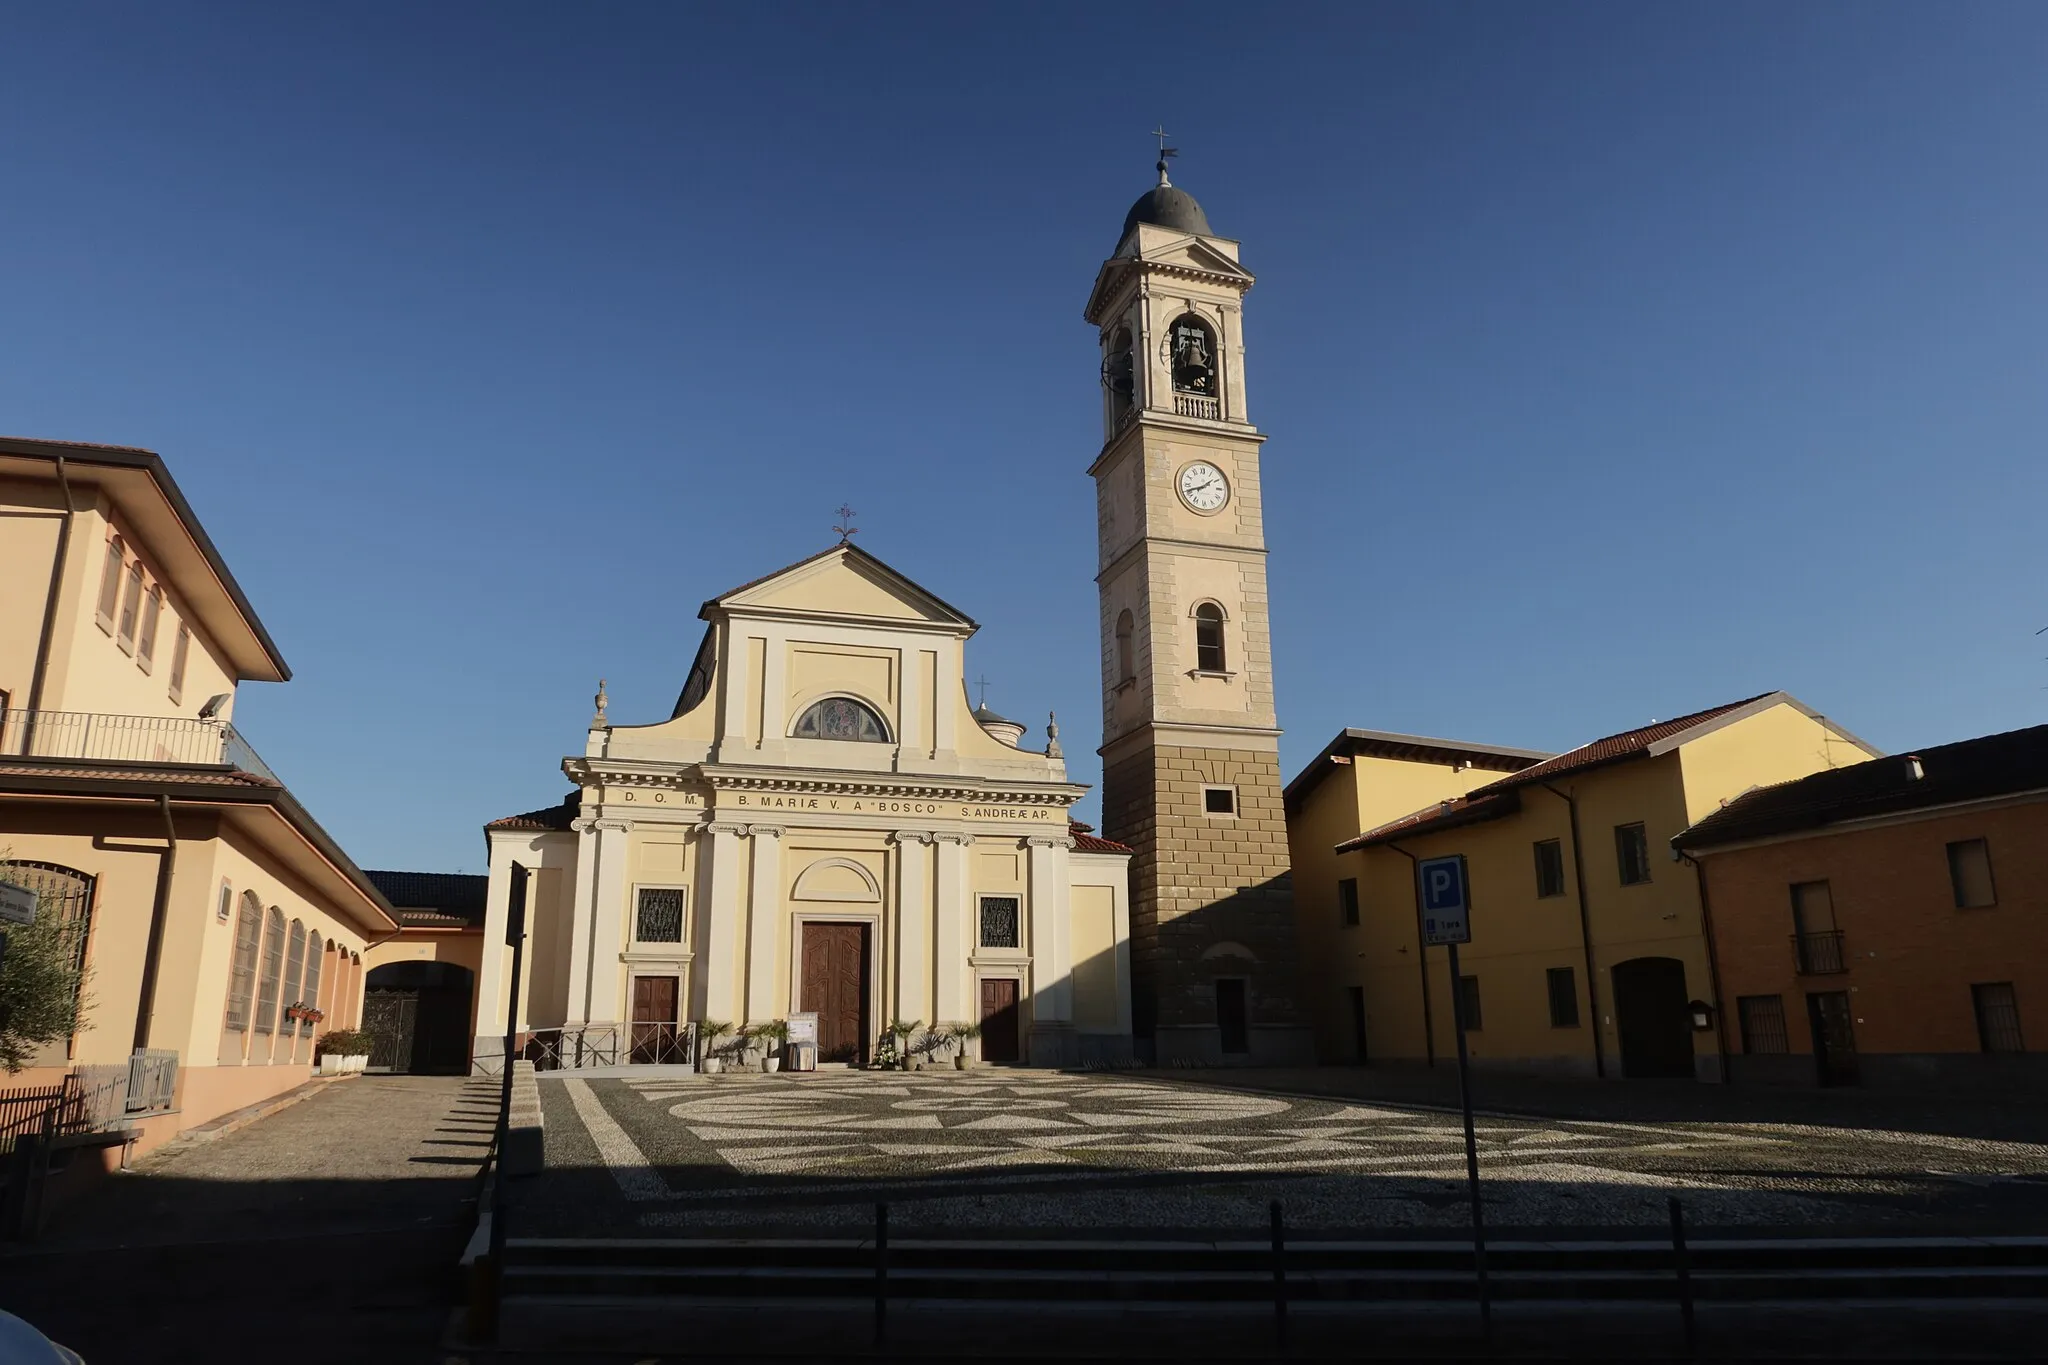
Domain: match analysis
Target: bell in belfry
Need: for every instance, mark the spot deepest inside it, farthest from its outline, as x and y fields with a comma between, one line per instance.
x=1191, y=365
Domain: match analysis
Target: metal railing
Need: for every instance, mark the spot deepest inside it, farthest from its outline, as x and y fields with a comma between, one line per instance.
x=152, y=1080
x=1194, y=405
x=96, y=736
x=1819, y=954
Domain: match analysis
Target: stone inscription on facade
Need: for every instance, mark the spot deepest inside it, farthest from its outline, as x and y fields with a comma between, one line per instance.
x=871, y=805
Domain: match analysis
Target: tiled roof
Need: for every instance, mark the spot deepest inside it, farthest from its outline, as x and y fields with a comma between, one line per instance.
x=433, y=899
x=1086, y=842
x=1970, y=770
x=1615, y=748
x=1656, y=738
x=1414, y=748
x=556, y=817
x=126, y=772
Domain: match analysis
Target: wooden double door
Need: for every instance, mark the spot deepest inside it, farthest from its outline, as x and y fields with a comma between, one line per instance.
x=657, y=1035
x=836, y=980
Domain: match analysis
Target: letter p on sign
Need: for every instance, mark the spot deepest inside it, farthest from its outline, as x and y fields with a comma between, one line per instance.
x=1446, y=900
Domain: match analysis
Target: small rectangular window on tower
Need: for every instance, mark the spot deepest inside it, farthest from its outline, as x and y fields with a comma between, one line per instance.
x=1219, y=800
x=1347, y=901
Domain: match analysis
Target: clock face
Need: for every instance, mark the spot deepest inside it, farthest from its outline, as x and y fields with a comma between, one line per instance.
x=1203, y=487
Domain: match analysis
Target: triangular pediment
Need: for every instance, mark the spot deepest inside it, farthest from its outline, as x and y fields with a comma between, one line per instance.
x=1192, y=253
x=1186, y=252
x=843, y=582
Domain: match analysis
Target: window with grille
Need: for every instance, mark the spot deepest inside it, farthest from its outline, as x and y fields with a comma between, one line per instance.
x=294, y=969
x=1763, y=1024
x=180, y=652
x=242, y=975
x=841, y=718
x=273, y=970
x=999, y=922
x=1564, y=997
x=315, y=952
x=1632, y=853
x=1969, y=872
x=1468, y=1001
x=1347, y=901
x=1998, y=1017
x=659, y=916
x=1549, y=868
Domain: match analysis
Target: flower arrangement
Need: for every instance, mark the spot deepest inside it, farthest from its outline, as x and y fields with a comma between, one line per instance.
x=304, y=1012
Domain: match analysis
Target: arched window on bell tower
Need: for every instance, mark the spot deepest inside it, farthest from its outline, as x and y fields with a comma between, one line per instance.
x=1193, y=360
x=1209, y=656
x=1120, y=377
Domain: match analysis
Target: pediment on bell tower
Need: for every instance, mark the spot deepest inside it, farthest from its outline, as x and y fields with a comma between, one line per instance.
x=1181, y=255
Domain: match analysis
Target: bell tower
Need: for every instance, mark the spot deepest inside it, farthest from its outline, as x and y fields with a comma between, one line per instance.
x=1191, y=763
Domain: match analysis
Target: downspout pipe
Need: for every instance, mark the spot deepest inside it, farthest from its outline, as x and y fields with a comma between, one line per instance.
x=1421, y=951
x=1699, y=872
x=159, y=914
x=1585, y=933
x=47, y=644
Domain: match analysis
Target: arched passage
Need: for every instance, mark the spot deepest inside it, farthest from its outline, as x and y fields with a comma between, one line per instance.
x=419, y=1013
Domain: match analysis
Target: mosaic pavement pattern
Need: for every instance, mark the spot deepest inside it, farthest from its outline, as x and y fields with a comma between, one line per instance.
x=1024, y=1148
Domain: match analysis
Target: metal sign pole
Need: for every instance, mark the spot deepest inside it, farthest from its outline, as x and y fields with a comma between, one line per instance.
x=515, y=938
x=1471, y=1146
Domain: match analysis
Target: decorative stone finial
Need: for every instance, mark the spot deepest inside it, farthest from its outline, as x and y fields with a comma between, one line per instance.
x=1052, y=735
x=598, y=721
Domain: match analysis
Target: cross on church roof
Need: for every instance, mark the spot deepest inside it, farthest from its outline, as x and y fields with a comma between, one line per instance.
x=983, y=681
x=846, y=529
x=1164, y=151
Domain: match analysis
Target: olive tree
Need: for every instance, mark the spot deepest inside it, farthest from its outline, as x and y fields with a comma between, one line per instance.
x=42, y=984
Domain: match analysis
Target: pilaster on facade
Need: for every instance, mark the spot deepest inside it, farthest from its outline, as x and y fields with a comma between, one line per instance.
x=953, y=925
x=721, y=920
x=915, y=930
x=608, y=922
x=764, y=921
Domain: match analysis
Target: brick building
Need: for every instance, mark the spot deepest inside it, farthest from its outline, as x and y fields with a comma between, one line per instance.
x=1885, y=923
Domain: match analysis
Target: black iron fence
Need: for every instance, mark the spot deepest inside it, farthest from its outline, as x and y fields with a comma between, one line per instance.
x=92, y=735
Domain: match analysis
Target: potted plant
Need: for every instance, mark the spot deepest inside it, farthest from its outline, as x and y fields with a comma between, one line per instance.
x=344, y=1051
x=900, y=1031
x=708, y=1034
x=961, y=1034
x=930, y=1044
x=772, y=1036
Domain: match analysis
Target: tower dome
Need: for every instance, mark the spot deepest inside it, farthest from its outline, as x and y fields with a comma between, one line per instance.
x=1169, y=206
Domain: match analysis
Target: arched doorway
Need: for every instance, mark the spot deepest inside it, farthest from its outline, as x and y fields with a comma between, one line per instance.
x=1652, y=1015
x=419, y=1013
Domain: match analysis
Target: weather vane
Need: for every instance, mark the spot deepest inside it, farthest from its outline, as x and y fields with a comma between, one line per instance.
x=1165, y=152
x=846, y=529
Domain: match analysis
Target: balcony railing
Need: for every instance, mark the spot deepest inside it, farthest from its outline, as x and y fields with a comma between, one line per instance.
x=94, y=736
x=1194, y=405
x=1818, y=954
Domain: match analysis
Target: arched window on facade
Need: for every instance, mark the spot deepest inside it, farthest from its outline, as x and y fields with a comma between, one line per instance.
x=841, y=718
x=1126, y=662
x=273, y=971
x=64, y=896
x=242, y=971
x=311, y=992
x=1209, y=656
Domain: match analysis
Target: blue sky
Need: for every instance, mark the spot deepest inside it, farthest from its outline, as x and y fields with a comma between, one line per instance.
x=1617, y=360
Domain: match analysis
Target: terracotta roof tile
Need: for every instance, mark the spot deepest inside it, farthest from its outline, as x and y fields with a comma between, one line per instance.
x=1614, y=748
x=1086, y=842
x=434, y=899
x=162, y=776
x=556, y=817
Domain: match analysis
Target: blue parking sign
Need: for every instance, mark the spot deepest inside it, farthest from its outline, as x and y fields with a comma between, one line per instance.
x=1446, y=900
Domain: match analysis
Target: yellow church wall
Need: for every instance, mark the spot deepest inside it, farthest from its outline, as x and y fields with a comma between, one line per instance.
x=1092, y=940
x=818, y=670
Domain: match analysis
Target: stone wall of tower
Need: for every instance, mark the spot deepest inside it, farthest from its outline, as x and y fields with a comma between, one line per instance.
x=1210, y=898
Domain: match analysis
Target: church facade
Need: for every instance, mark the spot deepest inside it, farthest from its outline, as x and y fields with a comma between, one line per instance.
x=822, y=826
x=1191, y=741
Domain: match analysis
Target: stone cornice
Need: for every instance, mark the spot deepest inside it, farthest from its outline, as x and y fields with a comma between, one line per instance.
x=630, y=772
x=1166, y=421
x=901, y=786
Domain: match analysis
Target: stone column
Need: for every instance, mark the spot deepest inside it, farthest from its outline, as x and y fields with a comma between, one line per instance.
x=764, y=921
x=1052, y=982
x=914, y=975
x=722, y=923
x=952, y=931
x=607, y=924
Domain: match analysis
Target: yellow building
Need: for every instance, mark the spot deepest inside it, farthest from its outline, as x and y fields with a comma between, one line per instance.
x=212, y=911
x=822, y=826
x=1588, y=952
